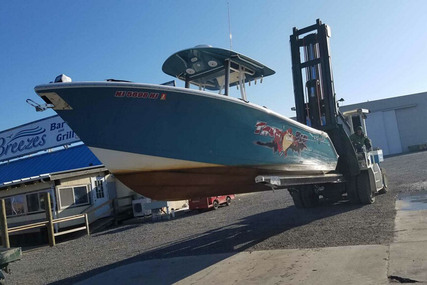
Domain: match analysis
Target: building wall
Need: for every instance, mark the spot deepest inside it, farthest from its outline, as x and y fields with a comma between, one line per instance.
x=55, y=187
x=408, y=126
x=123, y=191
x=72, y=210
x=109, y=192
x=23, y=190
x=412, y=125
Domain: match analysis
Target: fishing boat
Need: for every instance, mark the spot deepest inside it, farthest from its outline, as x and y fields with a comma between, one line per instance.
x=170, y=143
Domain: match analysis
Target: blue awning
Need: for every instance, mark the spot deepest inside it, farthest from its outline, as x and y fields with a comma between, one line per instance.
x=41, y=166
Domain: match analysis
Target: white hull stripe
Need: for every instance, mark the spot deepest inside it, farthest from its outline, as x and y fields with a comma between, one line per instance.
x=120, y=161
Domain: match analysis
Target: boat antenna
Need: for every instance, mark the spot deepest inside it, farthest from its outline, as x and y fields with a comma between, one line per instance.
x=229, y=26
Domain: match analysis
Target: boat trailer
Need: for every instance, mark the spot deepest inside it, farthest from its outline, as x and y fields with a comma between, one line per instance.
x=8, y=255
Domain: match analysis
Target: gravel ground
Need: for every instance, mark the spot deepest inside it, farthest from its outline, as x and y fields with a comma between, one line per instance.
x=259, y=221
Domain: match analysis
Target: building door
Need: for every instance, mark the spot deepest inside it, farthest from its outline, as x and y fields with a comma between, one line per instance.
x=383, y=130
x=100, y=196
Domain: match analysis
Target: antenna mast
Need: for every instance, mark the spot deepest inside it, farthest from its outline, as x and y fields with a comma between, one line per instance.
x=229, y=26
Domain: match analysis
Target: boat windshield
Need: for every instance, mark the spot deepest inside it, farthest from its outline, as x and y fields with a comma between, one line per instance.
x=215, y=69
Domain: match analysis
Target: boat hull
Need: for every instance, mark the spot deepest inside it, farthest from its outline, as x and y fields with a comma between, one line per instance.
x=180, y=180
x=142, y=131
x=192, y=183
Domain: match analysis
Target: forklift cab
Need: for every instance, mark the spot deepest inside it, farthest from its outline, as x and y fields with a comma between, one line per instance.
x=356, y=118
x=367, y=158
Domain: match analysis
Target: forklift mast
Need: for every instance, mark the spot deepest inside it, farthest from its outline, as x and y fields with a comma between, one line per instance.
x=317, y=106
x=314, y=92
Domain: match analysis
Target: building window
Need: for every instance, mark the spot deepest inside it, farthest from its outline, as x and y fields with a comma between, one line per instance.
x=73, y=196
x=25, y=204
x=15, y=205
x=35, y=202
x=99, y=186
x=80, y=195
x=66, y=197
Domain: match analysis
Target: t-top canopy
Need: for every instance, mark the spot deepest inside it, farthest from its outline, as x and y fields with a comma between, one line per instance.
x=205, y=66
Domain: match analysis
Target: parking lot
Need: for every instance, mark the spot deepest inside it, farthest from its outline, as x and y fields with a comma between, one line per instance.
x=254, y=222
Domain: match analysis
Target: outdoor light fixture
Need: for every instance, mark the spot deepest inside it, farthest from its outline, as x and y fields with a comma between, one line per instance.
x=190, y=71
x=212, y=63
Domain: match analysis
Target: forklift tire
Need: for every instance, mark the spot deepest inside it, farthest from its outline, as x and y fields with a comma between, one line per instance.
x=352, y=193
x=309, y=197
x=215, y=204
x=385, y=182
x=366, y=187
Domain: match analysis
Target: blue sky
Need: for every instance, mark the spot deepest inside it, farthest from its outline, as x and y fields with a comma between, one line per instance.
x=378, y=47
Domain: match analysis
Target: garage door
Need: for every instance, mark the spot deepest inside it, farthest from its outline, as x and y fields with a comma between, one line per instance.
x=383, y=131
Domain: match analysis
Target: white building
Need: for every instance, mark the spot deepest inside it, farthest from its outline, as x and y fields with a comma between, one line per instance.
x=396, y=125
x=46, y=156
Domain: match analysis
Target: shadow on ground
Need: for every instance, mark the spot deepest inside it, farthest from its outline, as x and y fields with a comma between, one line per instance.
x=225, y=241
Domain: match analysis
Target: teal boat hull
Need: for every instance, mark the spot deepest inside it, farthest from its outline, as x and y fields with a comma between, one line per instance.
x=173, y=143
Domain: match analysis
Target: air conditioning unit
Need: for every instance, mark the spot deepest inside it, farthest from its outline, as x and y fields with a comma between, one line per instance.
x=138, y=207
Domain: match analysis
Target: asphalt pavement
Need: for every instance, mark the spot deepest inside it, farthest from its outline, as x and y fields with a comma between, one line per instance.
x=403, y=261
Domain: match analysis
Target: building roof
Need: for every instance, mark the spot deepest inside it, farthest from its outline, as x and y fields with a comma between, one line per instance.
x=388, y=104
x=42, y=166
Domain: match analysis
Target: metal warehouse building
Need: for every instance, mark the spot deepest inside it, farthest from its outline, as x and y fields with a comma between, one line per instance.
x=398, y=124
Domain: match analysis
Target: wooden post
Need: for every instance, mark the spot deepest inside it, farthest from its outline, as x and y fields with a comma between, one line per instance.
x=3, y=221
x=50, y=232
x=87, y=224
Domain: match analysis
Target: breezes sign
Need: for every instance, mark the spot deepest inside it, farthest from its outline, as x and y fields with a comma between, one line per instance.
x=36, y=136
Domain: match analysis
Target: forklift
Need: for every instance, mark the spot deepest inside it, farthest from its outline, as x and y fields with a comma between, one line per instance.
x=358, y=176
x=316, y=106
